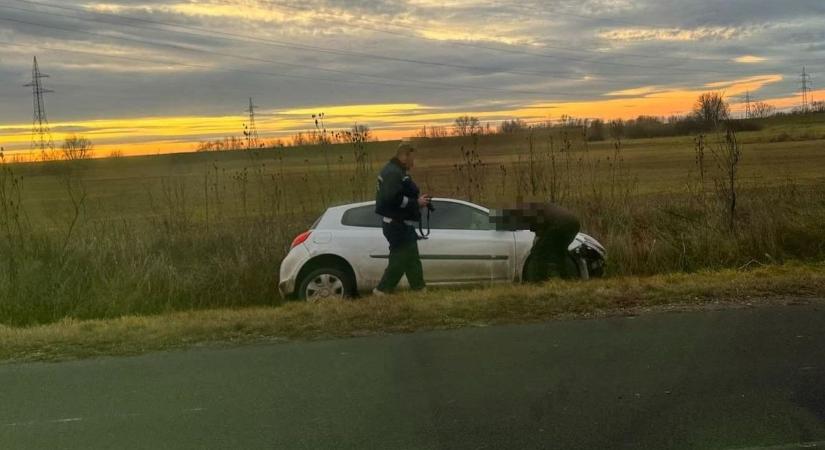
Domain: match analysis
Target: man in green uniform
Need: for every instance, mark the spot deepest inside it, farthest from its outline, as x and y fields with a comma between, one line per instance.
x=399, y=202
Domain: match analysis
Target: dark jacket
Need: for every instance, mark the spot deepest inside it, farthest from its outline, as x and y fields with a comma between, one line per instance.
x=541, y=218
x=396, y=196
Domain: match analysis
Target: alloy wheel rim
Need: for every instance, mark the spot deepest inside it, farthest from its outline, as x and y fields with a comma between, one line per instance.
x=324, y=286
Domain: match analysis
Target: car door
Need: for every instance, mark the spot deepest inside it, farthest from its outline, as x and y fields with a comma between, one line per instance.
x=464, y=247
x=367, y=249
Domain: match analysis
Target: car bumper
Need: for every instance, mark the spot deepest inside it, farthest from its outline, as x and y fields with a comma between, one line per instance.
x=584, y=241
x=290, y=268
x=286, y=287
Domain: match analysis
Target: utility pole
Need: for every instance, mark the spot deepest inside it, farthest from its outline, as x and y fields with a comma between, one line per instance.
x=41, y=134
x=805, y=80
x=249, y=129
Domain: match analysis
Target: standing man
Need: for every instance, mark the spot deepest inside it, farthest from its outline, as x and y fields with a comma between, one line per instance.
x=399, y=202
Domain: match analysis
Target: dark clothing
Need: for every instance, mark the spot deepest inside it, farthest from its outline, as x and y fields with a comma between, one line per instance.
x=396, y=195
x=404, y=258
x=396, y=198
x=410, y=190
x=555, y=229
x=550, y=249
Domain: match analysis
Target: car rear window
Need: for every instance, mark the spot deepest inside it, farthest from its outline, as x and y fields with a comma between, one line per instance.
x=362, y=216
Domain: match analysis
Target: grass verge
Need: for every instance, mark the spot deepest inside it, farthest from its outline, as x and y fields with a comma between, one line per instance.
x=408, y=312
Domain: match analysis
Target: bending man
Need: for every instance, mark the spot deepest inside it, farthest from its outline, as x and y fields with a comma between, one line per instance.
x=555, y=229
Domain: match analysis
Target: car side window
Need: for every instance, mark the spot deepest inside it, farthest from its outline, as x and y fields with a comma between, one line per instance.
x=455, y=216
x=362, y=216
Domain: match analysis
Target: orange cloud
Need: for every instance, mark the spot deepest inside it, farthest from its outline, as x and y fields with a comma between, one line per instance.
x=671, y=34
x=656, y=101
x=750, y=59
x=149, y=135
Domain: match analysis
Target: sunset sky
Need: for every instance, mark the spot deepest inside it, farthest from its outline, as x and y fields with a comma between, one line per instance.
x=148, y=76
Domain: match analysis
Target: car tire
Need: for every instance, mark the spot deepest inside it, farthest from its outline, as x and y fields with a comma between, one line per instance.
x=326, y=283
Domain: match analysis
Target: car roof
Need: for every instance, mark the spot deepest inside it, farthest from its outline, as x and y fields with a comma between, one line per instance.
x=331, y=218
x=342, y=208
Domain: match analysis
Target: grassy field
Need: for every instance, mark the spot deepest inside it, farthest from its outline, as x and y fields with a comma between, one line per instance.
x=106, y=238
x=408, y=312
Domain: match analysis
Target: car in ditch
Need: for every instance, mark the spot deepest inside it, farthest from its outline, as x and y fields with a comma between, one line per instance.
x=344, y=252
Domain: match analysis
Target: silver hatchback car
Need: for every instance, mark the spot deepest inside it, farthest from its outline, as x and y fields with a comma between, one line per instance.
x=345, y=253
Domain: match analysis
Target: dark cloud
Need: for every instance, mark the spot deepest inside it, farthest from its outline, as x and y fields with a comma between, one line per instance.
x=529, y=46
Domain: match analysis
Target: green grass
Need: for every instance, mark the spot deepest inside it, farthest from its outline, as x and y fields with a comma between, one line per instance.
x=408, y=312
x=152, y=235
x=128, y=187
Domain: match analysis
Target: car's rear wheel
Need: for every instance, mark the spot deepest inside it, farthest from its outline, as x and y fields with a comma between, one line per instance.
x=325, y=283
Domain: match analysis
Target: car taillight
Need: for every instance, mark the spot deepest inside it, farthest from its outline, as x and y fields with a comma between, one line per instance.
x=300, y=239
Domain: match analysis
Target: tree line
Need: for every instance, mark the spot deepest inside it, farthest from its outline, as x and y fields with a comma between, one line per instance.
x=709, y=110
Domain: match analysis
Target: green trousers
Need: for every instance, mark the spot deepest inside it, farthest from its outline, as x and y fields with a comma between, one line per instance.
x=404, y=258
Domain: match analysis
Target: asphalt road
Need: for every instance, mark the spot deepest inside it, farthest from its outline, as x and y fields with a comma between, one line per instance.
x=723, y=379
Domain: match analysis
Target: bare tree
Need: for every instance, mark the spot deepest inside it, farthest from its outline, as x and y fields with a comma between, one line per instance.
x=77, y=147
x=761, y=110
x=595, y=132
x=219, y=145
x=467, y=125
x=711, y=108
x=277, y=143
x=300, y=139
x=512, y=126
x=728, y=155
x=364, y=131
x=438, y=132
x=358, y=136
x=616, y=129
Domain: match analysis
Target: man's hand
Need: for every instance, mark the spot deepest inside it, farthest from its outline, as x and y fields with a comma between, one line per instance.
x=423, y=200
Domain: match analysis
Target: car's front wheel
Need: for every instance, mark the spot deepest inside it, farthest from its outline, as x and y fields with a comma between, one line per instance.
x=325, y=283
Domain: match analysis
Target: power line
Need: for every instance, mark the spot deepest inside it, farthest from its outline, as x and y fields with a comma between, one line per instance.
x=532, y=13
x=805, y=80
x=519, y=52
x=41, y=134
x=291, y=45
x=203, y=66
x=256, y=59
x=360, y=54
x=451, y=86
x=250, y=131
x=579, y=16
x=208, y=67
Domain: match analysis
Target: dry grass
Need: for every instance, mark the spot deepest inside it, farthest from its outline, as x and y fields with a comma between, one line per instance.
x=438, y=309
x=103, y=239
